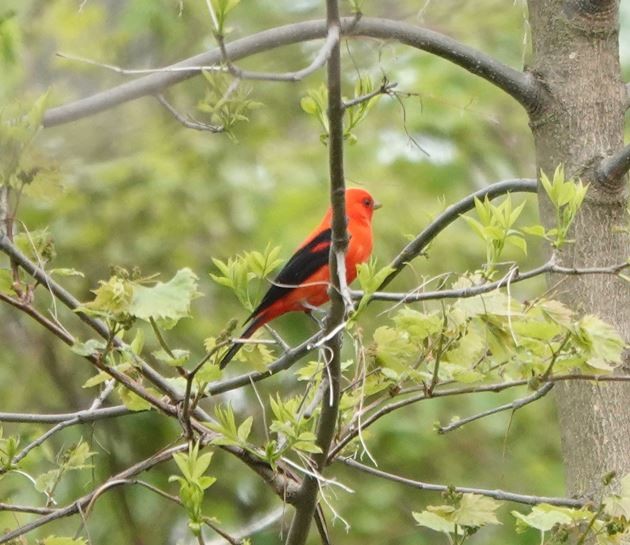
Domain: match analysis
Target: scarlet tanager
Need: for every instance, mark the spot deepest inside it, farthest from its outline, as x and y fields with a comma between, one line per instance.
x=303, y=282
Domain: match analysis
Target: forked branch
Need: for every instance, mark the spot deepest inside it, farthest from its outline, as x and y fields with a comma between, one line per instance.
x=521, y=86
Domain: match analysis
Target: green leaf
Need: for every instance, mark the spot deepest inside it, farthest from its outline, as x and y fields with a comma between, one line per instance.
x=77, y=456
x=418, y=324
x=601, y=342
x=434, y=521
x=37, y=245
x=6, y=282
x=544, y=517
x=476, y=510
x=90, y=347
x=97, y=379
x=179, y=357
x=66, y=272
x=618, y=505
x=132, y=401
x=46, y=481
x=165, y=301
x=244, y=429
x=113, y=298
x=309, y=105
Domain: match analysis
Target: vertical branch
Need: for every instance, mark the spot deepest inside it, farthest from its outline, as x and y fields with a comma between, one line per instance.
x=307, y=497
x=4, y=210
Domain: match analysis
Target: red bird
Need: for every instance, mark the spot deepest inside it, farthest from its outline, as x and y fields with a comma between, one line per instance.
x=303, y=282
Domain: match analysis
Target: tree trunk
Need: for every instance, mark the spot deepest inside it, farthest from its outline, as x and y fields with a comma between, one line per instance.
x=576, y=56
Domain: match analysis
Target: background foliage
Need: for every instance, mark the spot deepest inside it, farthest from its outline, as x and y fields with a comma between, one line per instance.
x=135, y=189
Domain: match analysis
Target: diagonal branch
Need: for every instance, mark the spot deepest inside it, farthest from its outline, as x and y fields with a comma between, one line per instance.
x=521, y=86
x=612, y=170
x=513, y=406
x=452, y=213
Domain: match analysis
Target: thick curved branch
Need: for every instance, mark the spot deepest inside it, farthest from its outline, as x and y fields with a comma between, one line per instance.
x=521, y=86
x=611, y=170
x=417, y=245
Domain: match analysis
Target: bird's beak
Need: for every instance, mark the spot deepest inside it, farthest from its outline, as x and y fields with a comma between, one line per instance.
x=377, y=205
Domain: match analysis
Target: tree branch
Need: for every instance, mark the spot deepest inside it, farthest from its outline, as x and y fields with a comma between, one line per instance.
x=521, y=86
x=353, y=431
x=496, y=494
x=87, y=415
x=513, y=406
x=513, y=276
x=611, y=171
x=416, y=246
x=307, y=497
x=80, y=504
x=73, y=304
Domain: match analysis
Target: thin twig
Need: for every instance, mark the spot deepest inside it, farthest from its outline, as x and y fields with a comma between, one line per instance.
x=514, y=406
x=393, y=406
x=386, y=88
x=188, y=122
x=514, y=276
x=496, y=494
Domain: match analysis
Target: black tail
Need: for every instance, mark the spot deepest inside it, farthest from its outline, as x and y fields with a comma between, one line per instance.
x=249, y=331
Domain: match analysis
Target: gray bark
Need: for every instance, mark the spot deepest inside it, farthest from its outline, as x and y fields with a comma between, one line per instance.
x=581, y=121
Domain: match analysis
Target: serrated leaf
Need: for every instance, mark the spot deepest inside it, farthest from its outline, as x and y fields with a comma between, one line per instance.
x=46, y=481
x=170, y=300
x=476, y=510
x=434, y=521
x=544, y=517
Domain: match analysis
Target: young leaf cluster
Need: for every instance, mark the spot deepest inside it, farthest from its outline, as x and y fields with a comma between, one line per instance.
x=237, y=273
x=496, y=227
x=74, y=458
x=226, y=102
x=566, y=196
x=315, y=104
x=193, y=483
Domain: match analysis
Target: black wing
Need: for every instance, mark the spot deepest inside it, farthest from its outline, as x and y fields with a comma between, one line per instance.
x=306, y=261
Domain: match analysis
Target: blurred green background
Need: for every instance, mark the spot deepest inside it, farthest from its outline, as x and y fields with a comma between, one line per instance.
x=138, y=189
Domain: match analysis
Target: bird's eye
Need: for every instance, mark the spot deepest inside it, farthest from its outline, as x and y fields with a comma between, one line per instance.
x=367, y=202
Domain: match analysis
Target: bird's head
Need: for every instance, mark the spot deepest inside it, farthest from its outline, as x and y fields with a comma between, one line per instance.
x=360, y=205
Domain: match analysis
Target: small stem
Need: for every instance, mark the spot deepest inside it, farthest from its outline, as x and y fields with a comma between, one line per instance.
x=160, y=338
